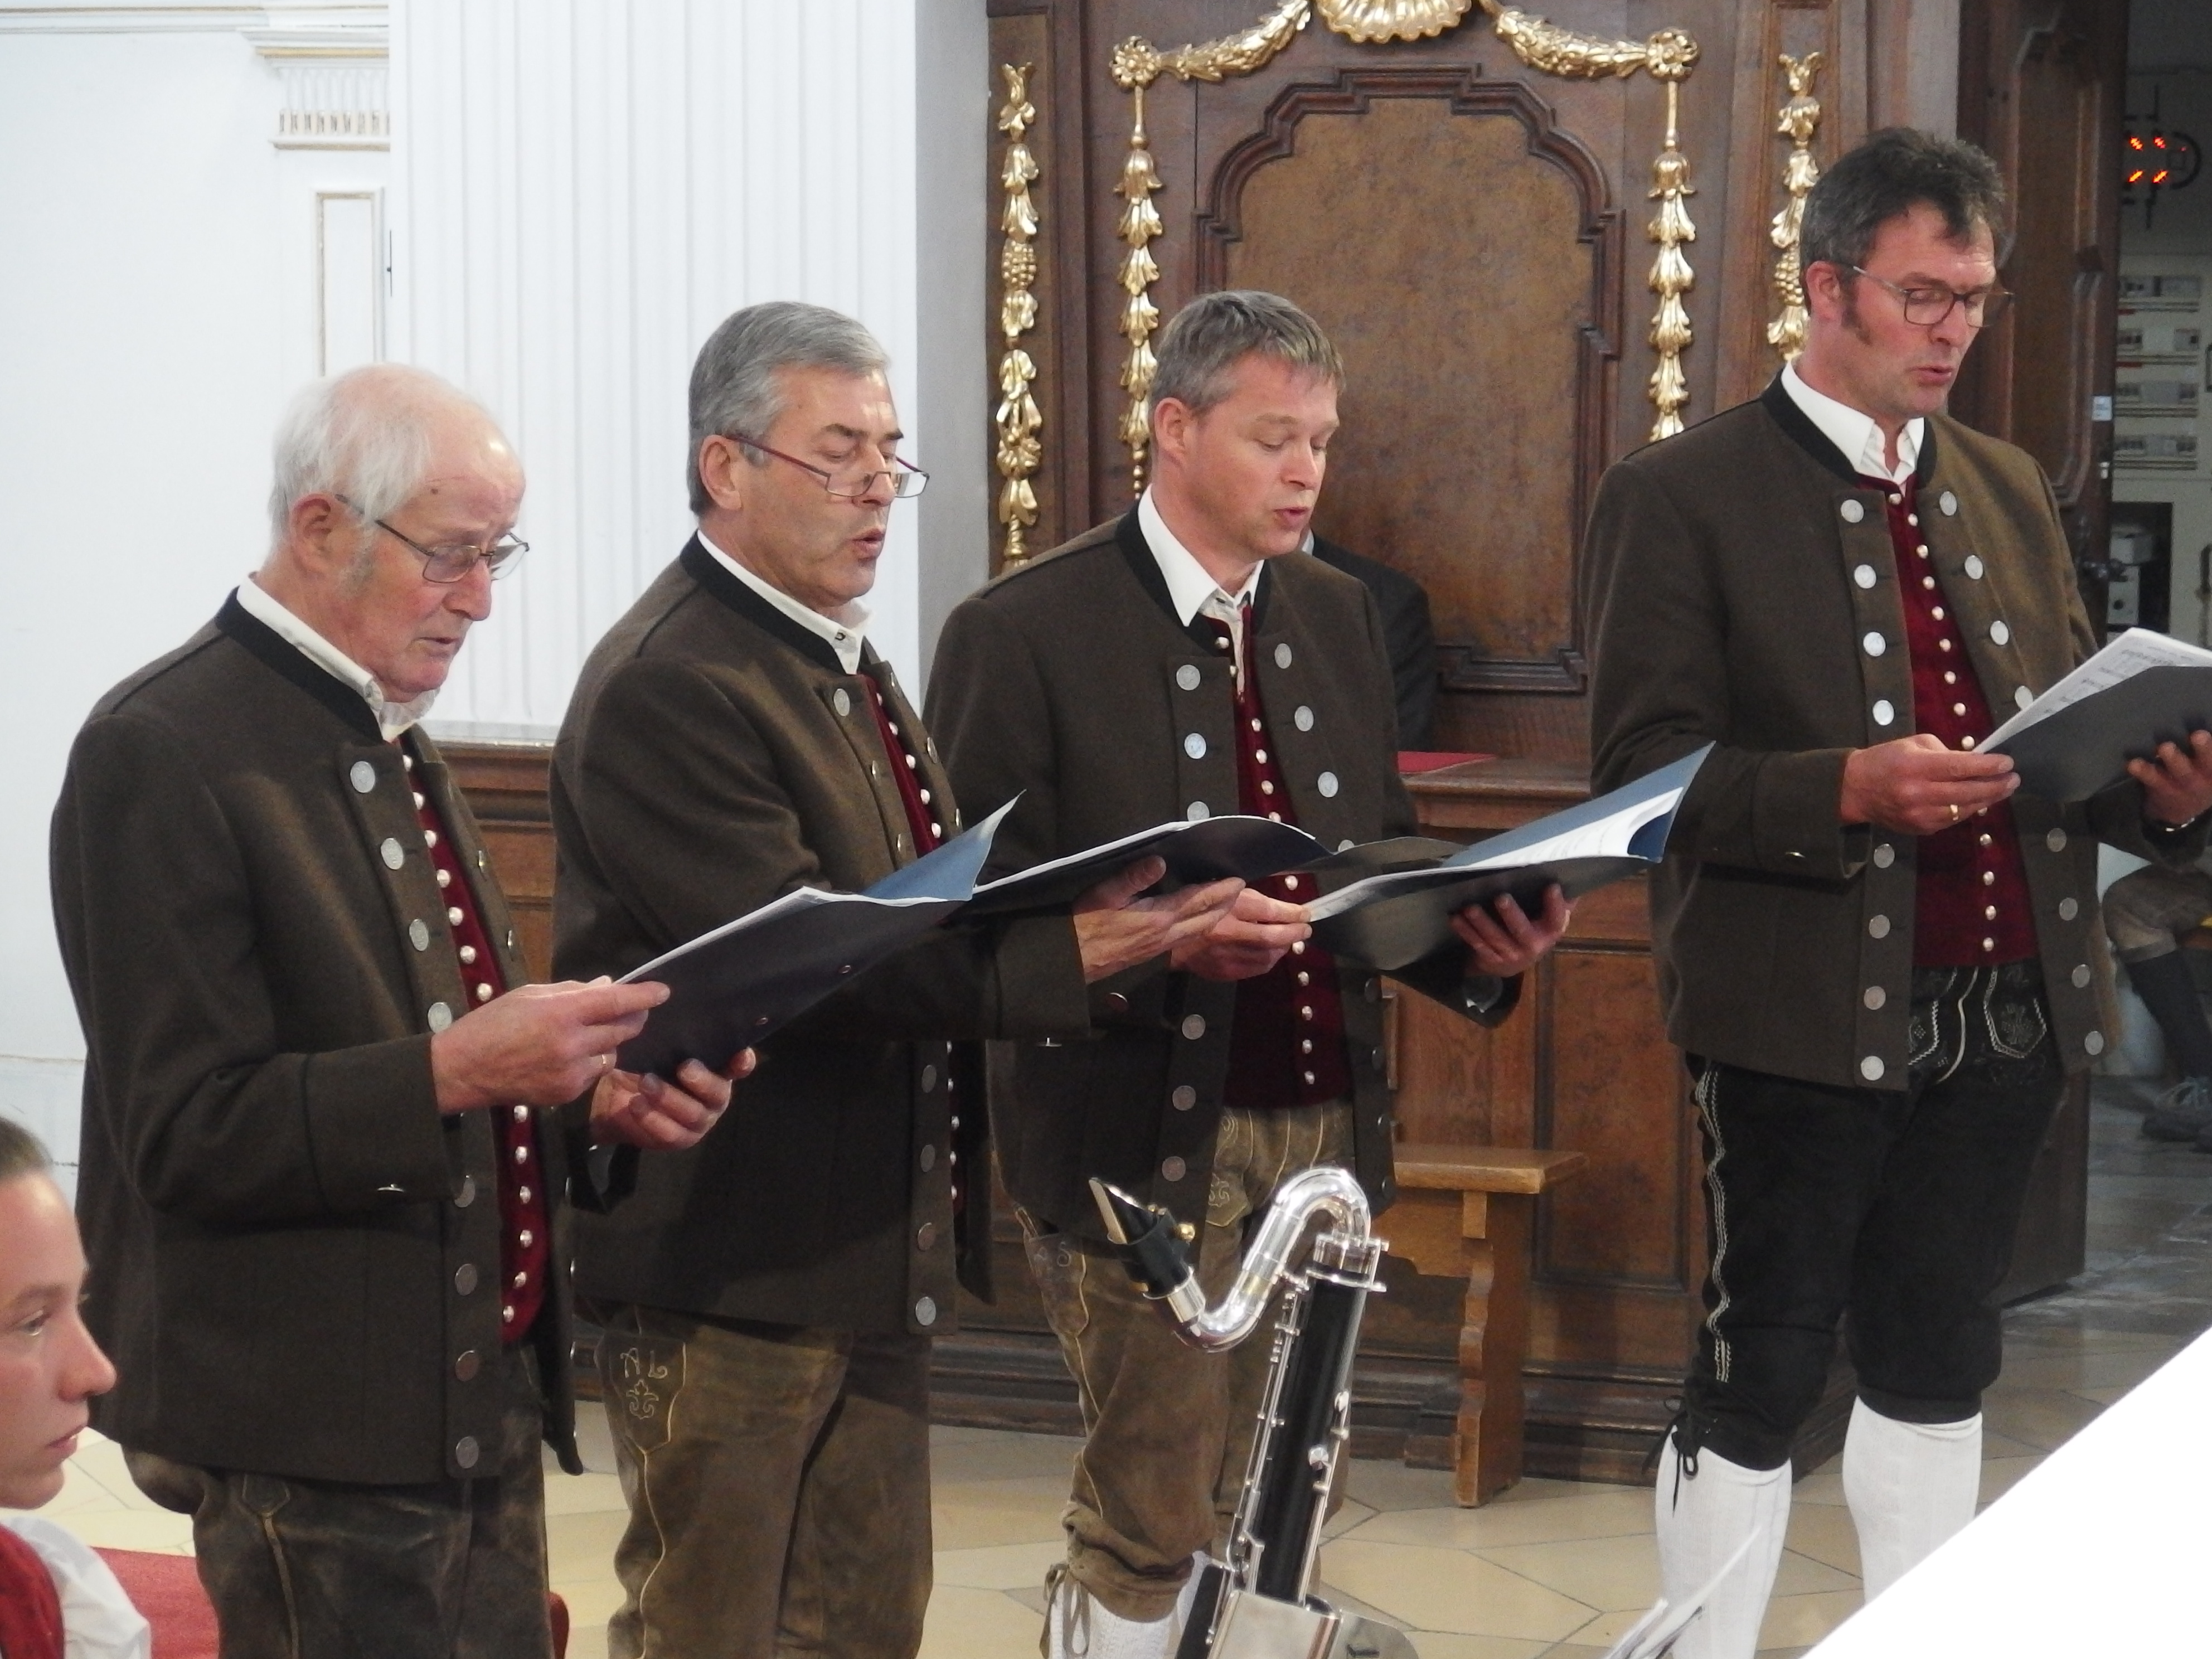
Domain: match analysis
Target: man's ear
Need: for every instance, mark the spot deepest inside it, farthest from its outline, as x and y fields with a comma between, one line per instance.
x=326, y=531
x=722, y=470
x=1172, y=423
x=1826, y=291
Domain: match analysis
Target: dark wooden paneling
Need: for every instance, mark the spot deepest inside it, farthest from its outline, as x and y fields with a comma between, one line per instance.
x=2042, y=87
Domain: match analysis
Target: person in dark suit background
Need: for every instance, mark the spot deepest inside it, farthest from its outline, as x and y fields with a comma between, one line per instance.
x=1408, y=635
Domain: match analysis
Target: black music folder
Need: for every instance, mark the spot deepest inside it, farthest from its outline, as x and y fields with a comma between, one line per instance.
x=2143, y=689
x=731, y=988
x=1391, y=920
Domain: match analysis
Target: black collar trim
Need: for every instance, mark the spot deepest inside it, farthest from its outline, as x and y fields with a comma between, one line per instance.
x=1794, y=421
x=704, y=568
x=1129, y=534
x=295, y=666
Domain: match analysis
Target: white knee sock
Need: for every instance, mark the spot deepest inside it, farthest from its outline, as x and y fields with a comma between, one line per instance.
x=1078, y=1626
x=1910, y=1485
x=1701, y=1524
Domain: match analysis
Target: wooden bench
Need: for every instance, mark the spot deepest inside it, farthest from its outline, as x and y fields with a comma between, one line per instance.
x=1466, y=1212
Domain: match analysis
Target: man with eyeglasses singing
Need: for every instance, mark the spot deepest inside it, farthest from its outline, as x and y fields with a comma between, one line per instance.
x=769, y=1300
x=1880, y=962
x=328, y=1127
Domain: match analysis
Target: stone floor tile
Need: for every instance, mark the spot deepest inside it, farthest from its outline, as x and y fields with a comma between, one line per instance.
x=582, y=1546
x=1446, y=1591
x=155, y=1529
x=2086, y=1369
x=583, y=1494
x=1000, y=1567
x=1825, y=1532
x=1350, y=1515
x=2044, y=1418
x=978, y=1514
x=1385, y=1483
x=1003, y=1457
x=1823, y=1485
x=2001, y=1474
x=1599, y=1512
x=977, y=1624
x=1609, y=1574
x=1799, y=1621
x=1446, y=1644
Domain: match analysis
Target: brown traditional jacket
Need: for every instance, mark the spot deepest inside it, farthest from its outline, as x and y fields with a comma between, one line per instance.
x=1742, y=590
x=716, y=755
x=1070, y=682
x=277, y=1215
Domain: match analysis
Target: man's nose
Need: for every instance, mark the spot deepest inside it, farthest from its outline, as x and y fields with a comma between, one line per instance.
x=87, y=1370
x=471, y=595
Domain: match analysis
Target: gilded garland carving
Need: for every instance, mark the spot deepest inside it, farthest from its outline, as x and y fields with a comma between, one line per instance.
x=1020, y=450
x=1799, y=119
x=1668, y=57
x=1671, y=276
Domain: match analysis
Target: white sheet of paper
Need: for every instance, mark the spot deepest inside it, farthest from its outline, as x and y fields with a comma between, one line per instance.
x=1609, y=838
x=2121, y=659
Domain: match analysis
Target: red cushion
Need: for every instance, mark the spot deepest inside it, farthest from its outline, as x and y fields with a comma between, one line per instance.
x=167, y=1589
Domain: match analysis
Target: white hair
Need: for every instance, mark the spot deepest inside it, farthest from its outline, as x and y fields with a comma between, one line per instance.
x=364, y=434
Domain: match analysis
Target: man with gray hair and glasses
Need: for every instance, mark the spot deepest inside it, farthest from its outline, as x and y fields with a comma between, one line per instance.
x=328, y=1129
x=1173, y=664
x=1879, y=961
x=769, y=1300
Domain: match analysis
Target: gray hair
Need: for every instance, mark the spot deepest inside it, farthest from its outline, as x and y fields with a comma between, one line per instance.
x=1210, y=335
x=21, y=1154
x=1890, y=174
x=366, y=435
x=734, y=388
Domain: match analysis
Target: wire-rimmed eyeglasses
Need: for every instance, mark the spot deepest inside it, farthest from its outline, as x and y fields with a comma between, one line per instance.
x=1924, y=307
x=452, y=563
x=905, y=483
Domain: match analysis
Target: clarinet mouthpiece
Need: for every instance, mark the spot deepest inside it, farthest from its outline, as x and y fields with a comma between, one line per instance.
x=1153, y=1246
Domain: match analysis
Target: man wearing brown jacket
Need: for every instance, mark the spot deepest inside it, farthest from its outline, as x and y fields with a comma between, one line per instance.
x=1878, y=960
x=323, y=1202
x=1174, y=664
x=770, y=1299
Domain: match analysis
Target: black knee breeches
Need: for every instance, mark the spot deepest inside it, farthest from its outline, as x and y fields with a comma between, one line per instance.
x=1891, y=1212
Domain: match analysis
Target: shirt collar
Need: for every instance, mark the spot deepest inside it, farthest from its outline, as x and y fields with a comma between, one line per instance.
x=1855, y=433
x=1189, y=586
x=391, y=717
x=846, y=631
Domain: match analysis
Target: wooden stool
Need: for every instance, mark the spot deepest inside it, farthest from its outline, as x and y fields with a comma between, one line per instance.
x=1466, y=1210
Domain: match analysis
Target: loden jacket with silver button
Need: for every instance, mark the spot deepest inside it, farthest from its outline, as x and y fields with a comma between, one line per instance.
x=716, y=755
x=1741, y=588
x=1070, y=682
x=286, y=1236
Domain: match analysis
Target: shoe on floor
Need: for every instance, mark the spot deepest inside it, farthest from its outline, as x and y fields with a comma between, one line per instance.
x=2182, y=1113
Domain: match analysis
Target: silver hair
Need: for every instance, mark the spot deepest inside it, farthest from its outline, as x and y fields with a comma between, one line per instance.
x=734, y=388
x=364, y=434
x=1210, y=335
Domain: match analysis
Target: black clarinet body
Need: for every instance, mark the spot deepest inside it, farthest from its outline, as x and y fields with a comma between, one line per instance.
x=1259, y=1603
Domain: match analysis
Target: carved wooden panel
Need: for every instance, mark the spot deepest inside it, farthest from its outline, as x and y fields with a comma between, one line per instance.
x=1474, y=406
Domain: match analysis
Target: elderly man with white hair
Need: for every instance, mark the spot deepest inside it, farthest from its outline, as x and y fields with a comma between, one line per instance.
x=328, y=1129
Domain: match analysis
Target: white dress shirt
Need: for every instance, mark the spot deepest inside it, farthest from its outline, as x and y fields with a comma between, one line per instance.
x=846, y=631
x=98, y=1619
x=1855, y=433
x=391, y=717
x=1191, y=589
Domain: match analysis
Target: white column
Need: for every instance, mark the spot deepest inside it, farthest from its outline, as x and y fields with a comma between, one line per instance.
x=584, y=189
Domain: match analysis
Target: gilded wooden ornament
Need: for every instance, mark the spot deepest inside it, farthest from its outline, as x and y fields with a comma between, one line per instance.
x=1799, y=119
x=1020, y=450
x=1370, y=21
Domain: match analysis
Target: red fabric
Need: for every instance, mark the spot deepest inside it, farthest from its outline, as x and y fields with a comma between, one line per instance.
x=1972, y=906
x=1414, y=761
x=1287, y=1046
x=30, y=1608
x=167, y=1589
x=927, y=828
x=525, y=1244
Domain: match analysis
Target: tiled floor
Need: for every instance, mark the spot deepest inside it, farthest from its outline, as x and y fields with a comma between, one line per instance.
x=1551, y=1568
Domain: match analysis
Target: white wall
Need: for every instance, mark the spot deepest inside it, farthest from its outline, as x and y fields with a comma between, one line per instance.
x=578, y=191
x=584, y=192
x=156, y=303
